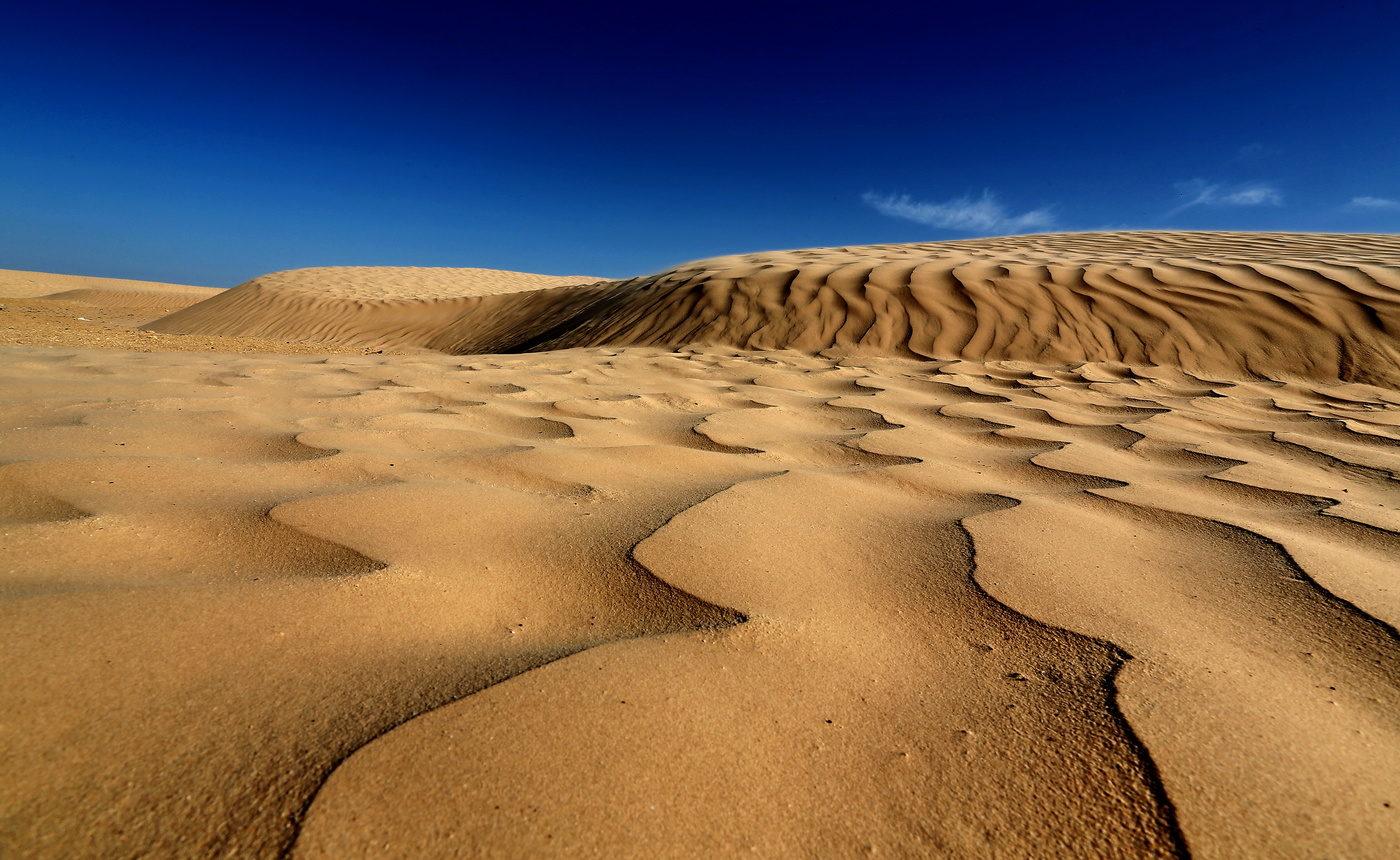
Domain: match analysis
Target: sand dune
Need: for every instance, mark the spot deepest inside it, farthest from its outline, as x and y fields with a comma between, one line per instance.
x=39, y=309
x=701, y=600
x=154, y=299
x=101, y=292
x=1269, y=305
x=17, y=284
x=446, y=310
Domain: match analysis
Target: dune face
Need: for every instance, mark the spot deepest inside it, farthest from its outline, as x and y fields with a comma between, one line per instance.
x=457, y=311
x=722, y=598
x=1270, y=305
x=41, y=309
x=1267, y=305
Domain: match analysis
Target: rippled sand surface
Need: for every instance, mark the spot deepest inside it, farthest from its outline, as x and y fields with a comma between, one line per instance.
x=1001, y=591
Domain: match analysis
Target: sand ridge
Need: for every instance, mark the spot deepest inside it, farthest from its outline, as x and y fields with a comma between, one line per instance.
x=1273, y=305
x=703, y=600
x=1268, y=305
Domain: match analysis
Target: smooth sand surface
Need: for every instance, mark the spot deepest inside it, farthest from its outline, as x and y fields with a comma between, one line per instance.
x=1101, y=562
x=17, y=284
x=395, y=309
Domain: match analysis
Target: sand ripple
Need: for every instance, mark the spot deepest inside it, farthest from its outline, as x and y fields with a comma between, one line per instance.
x=651, y=603
x=1080, y=545
x=1270, y=305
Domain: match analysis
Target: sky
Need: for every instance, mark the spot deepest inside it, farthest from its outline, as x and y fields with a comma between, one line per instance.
x=210, y=142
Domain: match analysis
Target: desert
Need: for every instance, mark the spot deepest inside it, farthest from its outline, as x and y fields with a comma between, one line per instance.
x=1062, y=545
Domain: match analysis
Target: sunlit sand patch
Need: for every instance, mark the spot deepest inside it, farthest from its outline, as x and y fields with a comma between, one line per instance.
x=1046, y=546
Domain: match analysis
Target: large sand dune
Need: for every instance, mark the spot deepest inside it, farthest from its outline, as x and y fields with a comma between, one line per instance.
x=1268, y=305
x=1091, y=558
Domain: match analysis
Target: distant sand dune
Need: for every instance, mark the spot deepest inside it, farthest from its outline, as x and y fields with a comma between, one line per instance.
x=447, y=310
x=153, y=299
x=1269, y=305
x=17, y=284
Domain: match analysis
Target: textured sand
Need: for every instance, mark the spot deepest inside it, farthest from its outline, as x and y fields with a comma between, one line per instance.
x=695, y=601
x=383, y=308
x=39, y=309
x=1269, y=305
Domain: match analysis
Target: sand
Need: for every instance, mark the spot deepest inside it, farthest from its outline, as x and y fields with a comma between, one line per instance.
x=392, y=309
x=1049, y=546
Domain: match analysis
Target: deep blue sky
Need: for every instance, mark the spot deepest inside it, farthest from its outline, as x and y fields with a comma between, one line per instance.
x=209, y=142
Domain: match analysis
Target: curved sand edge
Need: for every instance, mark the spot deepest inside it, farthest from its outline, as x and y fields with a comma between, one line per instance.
x=423, y=605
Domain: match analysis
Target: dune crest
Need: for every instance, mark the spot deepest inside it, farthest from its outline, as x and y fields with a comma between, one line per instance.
x=1229, y=305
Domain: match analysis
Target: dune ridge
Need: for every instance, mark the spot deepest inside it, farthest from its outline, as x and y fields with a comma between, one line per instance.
x=1264, y=305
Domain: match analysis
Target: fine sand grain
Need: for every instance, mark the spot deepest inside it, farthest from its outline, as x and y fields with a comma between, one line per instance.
x=1049, y=546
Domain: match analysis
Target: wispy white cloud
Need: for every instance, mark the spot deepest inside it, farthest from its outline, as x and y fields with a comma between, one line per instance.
x=1373, y=203
x=1255, y=195
x=969, y=214
x=1199, y=192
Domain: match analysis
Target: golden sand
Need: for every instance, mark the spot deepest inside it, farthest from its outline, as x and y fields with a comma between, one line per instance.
x=1054, y=546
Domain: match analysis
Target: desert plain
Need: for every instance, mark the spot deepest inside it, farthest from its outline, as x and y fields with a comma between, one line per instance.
x=1071, y=545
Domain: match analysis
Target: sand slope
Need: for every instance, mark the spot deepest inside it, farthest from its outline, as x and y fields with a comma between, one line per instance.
x=705, y=601
x=448, y=310
x=1270, y=305
x=17, y=284
x=40, y=309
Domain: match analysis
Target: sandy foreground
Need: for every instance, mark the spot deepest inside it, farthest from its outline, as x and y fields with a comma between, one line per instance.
x=1050, y=546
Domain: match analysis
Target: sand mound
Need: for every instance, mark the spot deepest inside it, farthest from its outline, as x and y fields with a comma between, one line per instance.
x=17, y=284
x=1234, y=305
x=39, y=309
x=448, y=310
x=133, y=299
